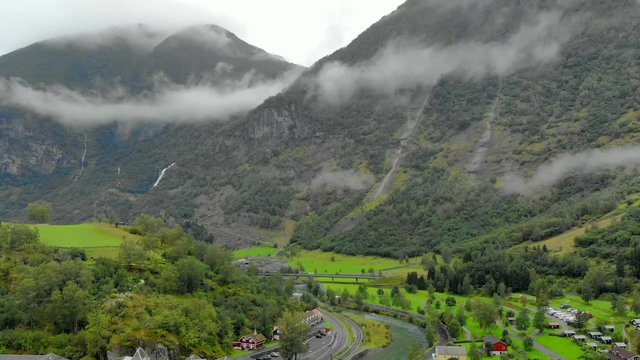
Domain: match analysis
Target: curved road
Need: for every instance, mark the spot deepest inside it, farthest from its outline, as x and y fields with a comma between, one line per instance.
x=326, y=347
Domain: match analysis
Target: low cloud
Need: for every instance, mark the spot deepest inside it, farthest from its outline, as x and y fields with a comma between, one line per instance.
x=343, y=179
x=590, y=161
x=406, y=63
x=141, y=37
x=167, y=103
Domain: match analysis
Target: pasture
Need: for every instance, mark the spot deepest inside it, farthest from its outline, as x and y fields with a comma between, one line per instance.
x=92, y=235
x=320, y=262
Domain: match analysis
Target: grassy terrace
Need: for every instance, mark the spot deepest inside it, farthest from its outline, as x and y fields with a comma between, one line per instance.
x=93, y=235
x=96, y=239
x=321, y=262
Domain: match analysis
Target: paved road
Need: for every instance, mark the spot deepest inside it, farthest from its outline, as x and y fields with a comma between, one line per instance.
x=319, y=348
x=326, y=347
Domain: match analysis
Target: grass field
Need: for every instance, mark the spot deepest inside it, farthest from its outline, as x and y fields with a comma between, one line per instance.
x=561, y=345
x=564, y=243
x=376, y=335
x=321, y=262
x=93, y=235
x=255, y=251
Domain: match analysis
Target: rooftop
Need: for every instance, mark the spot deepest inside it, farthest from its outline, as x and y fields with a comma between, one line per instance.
x=451, y=350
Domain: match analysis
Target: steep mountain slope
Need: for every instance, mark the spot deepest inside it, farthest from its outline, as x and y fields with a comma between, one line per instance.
x=452, y=104
x=74, y=163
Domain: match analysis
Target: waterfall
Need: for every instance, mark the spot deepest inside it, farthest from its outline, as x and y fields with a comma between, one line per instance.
x=161, y=175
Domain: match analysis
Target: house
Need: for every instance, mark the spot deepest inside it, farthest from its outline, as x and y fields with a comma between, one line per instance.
x=50, y=356
x=592, y=345
x=610, y=328
x=606, y=340
x=635, y=322
x=595, y=334
x=450, y=353
x=620, y=345
x=275, y=333
x=554, y=325
x=254, y=341
x=622, y=354
x=313, y=317
x=511, y=320
x=579, y=338
x=569, y=333
x=494, y=345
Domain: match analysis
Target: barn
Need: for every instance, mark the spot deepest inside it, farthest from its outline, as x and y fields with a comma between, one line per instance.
x=494, y=345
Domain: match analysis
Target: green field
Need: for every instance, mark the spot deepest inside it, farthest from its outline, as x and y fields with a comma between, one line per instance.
x=255, y=251
x=561, y=345
x=321, y=262
x=93, y=235
x=564, y=243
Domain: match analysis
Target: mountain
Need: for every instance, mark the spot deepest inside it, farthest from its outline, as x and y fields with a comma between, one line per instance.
x=445, y=125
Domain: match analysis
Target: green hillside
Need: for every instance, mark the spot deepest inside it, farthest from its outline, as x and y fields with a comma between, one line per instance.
x=83, y=235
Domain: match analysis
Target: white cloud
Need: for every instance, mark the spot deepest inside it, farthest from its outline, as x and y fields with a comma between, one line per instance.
x=301, y=31
x=141, y=37
x=406, y=63
x=167, y=103
x=589, y=161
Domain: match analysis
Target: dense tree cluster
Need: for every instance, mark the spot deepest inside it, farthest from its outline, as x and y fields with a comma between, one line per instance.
x=164, y=288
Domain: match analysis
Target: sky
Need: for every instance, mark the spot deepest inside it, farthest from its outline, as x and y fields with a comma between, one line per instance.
x=302, y=31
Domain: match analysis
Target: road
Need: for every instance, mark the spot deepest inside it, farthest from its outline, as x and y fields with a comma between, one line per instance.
x=326, y=347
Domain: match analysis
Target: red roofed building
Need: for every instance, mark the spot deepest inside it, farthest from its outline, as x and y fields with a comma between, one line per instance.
x=254, y=341
x=495, y=346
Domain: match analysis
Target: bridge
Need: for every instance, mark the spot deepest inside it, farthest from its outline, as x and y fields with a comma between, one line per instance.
x=355, y=277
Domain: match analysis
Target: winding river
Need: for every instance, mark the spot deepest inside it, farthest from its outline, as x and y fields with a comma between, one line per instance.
x=404, y=336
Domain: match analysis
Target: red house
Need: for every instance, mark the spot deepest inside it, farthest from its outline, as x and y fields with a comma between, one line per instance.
x=254, y=341
x=494, y=345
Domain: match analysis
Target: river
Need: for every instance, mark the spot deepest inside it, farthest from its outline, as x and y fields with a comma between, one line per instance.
x=404, y=336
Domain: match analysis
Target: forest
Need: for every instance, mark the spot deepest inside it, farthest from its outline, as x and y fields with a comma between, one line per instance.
x=165, y=288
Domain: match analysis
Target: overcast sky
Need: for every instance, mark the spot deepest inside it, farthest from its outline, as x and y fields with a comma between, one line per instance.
x=300, y=30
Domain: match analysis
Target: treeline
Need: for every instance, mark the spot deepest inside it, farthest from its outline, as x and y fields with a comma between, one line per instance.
x=164, y=288
x=529, y=269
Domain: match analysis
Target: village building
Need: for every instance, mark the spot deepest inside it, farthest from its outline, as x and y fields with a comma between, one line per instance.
x=275, y=333
x=554, y=325
x=620, y=345
x=450, y=353
x=254, y=341
x=595, y=334
x=610, y=328
x=313, y=317
x=579, y=338
x=569, y=333
x=592, y=345
x=494, y=345
x=606, y=339
x=511, y=320
x=622, y=354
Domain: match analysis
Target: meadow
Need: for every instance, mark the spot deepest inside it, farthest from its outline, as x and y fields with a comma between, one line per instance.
x=92, y=235
x=320, y=262
x=96, y=239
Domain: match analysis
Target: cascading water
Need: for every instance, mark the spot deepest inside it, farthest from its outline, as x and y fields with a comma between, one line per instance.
x=161, y=175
